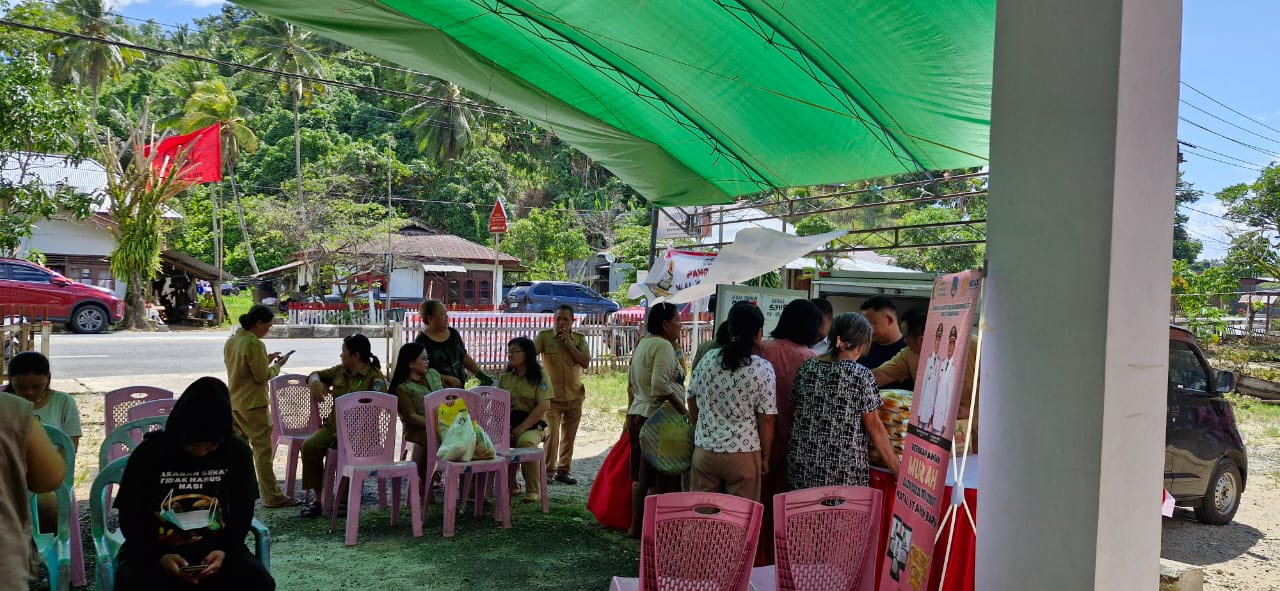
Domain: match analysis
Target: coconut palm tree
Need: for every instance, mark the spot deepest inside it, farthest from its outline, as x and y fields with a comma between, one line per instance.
x=278, y=45
x=213, y=103
x=90, y=63
x=443, y=128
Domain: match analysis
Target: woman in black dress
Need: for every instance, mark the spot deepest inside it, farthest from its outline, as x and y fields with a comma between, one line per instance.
x=444, y=346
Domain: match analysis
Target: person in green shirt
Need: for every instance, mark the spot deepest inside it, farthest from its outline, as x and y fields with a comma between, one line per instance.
x=530, y=400
x=413, y=379
x=359, y=371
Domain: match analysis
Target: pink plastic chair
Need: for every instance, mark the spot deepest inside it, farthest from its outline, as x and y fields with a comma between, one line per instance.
x=294, y=417
x=366, y=450
x=118, y=402
x=452, y=472
x=493, y=410
x=825, y=538
x=155, y=408
x=696, y=541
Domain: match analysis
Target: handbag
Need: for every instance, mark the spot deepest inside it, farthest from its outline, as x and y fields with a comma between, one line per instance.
x=666, y=440
x=610, y=498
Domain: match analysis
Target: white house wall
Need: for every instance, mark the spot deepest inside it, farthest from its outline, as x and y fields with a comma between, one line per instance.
x=66, y=237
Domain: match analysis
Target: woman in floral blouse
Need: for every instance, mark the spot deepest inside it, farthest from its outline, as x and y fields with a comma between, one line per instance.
x=731, y=406
x=836, y=403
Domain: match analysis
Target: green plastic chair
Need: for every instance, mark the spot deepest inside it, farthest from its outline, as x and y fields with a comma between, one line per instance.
x=107, y=543
x=55, y=548
x=126, y=436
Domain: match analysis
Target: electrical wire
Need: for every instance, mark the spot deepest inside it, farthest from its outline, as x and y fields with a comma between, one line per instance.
x=1268, y=153
x=1242, y=161
x=1221, y=104
x=1249, y=131
x=1224, y=161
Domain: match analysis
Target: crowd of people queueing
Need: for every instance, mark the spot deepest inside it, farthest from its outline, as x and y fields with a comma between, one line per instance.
x=797, y=410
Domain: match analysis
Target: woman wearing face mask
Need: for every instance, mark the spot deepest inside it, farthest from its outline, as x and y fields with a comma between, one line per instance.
x=29, y=378
x=359, y=371
x=836, y=413
x=186, y=502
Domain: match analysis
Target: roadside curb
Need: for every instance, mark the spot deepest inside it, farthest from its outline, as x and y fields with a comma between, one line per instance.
x=1178, y=576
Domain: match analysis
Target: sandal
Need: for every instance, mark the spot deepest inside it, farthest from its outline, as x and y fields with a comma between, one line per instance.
x=313, y=509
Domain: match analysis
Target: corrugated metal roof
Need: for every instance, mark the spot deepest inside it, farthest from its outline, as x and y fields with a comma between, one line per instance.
x=53, y=170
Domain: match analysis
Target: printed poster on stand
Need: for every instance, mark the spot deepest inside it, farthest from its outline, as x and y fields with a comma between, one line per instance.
x=918, y=503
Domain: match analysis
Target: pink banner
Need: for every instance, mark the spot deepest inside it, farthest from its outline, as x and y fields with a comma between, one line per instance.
x=918, y=504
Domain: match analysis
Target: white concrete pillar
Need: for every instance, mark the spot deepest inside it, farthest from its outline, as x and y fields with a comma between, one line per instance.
x=1084, y=111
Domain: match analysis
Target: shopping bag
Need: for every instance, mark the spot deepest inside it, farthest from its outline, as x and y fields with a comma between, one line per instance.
x=666, y=440
x=484, y=445
x=459, y=441
x=448, y=410
x=610, y=497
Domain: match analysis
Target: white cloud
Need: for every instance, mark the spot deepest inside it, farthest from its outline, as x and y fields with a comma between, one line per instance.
x=118, y=4
x=201, y=3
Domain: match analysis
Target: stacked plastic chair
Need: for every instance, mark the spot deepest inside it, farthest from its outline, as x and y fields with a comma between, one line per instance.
x=453, y=472
x=119, y=401
x=366, y=450
x=294, y=417
x=493, y=411
x=696, y=541
x=120, y=441
x=107, y=543
x=154, y=408
x=60, y=551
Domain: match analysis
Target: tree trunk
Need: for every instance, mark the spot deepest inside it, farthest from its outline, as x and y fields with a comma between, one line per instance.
x=244, y=230
x=135, y=303
x=297, y=143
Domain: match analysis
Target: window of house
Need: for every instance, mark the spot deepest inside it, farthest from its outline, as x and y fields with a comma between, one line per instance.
x=485, y=293
x=453, y=291
x=469, y=293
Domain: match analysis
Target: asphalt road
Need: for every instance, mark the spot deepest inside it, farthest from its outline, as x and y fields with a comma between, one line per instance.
x=171, y=360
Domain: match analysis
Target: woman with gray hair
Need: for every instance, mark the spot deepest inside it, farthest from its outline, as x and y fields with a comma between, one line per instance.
x=836, y=402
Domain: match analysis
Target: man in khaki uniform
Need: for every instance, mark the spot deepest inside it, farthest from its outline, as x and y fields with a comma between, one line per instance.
x=564, y=356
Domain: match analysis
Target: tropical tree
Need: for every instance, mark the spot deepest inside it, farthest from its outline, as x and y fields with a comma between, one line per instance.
x=37, y=120
x=1256, y=205
x=90, y=63
x=278, y=45
x=818, y=224
x=545, y=241
x=213, y=103
x=138, y=196
x=1185, y=247
x=442, y=128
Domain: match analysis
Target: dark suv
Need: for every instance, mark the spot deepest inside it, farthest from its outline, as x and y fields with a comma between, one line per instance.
x=546, y=296
x=1205, y=464
x=32, y=291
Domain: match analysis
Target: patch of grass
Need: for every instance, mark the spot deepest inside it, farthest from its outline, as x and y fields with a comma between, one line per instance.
x=1249, y=409
x=237, y=305
x=605, y=408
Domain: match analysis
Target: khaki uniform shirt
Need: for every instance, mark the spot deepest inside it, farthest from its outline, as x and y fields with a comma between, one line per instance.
x=899, y=368
x=565, y=373
x=343, y=382
x=525, y=396
x=247, y=370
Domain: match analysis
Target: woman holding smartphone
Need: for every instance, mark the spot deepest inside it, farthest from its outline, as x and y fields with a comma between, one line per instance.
x=186, y=502
x=249, y=368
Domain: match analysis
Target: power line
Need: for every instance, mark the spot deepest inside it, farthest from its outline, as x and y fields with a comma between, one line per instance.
x=1249, y=131
x=1224, y=161
x=1268, y=153
x=1220, y=104
x=260, y=70
x=1191, y=145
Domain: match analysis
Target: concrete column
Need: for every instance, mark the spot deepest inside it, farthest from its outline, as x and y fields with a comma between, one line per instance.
x=1084, y=111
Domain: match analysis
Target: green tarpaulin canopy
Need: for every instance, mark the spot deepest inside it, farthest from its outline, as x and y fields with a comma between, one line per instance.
x=699, y=101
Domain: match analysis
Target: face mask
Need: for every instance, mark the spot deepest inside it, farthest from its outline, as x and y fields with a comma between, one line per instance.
x=209, y=516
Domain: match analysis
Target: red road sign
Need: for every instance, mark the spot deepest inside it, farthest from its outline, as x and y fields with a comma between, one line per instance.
x=498, y=218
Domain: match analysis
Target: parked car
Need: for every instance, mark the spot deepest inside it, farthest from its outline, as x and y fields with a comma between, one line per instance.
x=85, y=308
x=546, y=296
x=1205, y=463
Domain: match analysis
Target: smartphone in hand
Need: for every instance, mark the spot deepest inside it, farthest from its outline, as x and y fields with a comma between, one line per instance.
x=194, y=568
x=283, y=358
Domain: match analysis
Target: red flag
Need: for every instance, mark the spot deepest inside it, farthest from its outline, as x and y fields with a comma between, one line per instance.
x=204, y=155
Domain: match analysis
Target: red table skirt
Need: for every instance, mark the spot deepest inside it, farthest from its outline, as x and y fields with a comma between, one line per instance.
x=960, y=567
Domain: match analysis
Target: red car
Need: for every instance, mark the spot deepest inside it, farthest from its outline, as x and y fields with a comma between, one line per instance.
x=32, y=291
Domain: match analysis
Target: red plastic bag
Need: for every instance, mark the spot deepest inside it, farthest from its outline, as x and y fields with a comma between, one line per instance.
x=610, y=498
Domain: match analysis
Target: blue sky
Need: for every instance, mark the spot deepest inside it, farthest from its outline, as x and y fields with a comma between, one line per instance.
x=1228, y=53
